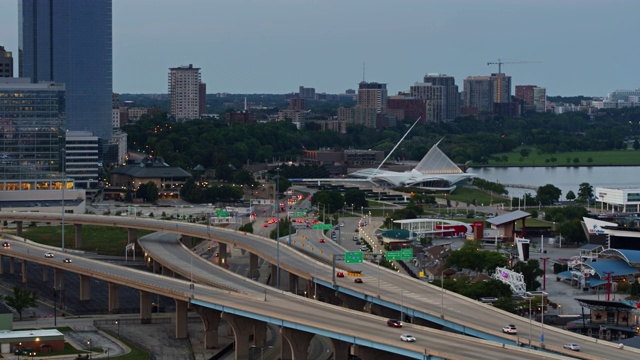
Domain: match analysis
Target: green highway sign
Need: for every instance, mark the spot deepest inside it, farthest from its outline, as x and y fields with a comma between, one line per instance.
x=393, y=255
x=353, y=257
x=406, y=254
x=298, y=213
x=322, y=226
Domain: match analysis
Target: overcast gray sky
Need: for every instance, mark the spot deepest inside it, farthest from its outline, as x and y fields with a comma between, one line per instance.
x=573, y=47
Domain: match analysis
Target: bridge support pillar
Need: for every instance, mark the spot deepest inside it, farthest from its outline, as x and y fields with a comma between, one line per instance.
x=210, y=321
x=131, y=235
x=222, y=254
x=297, y=342
x=340, y=349
x=254, y=273
x=311, y=290
x=273, y=279
x=78, y=228
x=23, y=268
x=113, y=297
x=85, y=287
x=352, y=302
x=12, y=269
x=145, y=307
x=187, y=241
x=242, y=329
x=181, y=319
x=58, y=279
x=19, y=228
x=373, y=354
x=154, y=265
x=168, y=272
x=45, y=273
x=1, y=265
x=293, y=283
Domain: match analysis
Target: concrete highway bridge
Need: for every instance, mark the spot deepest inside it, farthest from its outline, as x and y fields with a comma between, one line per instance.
x=395, y=294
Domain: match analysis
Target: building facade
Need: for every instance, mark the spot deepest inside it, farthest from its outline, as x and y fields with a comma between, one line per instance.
x=500, y=88
x=66, y=41
x=434, y=100
x=6, y=63
x=184, y=92
x=451, y=95
x=373, y=95
x=477, y=95
x=81, y=158
x=32, y=126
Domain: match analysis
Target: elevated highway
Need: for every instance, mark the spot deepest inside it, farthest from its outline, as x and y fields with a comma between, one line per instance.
x=381, y=287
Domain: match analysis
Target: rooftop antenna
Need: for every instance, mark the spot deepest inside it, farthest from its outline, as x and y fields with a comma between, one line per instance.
x=363, y=71
x=245, y=103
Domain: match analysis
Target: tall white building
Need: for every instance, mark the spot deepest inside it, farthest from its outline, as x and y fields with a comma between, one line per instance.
x=184, y=92
x=81, y=159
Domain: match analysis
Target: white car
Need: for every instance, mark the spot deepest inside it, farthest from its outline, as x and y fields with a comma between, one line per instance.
x=407, y=338
x=510, y=329
x=48, y=254
x=572, y=346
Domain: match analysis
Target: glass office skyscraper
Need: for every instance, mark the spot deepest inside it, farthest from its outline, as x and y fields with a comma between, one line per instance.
x=69, y=41
x=32, y=128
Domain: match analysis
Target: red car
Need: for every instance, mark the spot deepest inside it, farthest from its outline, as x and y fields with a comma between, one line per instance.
x=394, y=323
x=357, y=280
x=321, y=240
x=339, y=274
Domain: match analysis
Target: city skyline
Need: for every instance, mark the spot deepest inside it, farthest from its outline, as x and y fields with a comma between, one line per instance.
x=569, y=47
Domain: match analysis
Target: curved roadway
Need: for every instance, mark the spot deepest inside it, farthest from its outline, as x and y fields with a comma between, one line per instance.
x=390, y=286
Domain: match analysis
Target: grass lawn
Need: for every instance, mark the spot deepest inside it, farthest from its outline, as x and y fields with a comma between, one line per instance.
x=106, y=240
x=599, y=158
x=464, y=194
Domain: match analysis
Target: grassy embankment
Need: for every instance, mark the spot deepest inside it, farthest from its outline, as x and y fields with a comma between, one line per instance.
x=599, y=158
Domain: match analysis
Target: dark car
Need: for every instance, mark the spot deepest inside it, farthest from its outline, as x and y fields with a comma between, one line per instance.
x=358, y=280
x=394, y=323
x=6, y=244
x=67, y=260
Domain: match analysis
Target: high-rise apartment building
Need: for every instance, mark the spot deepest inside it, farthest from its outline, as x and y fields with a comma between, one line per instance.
x=185, y=92
x=540, y=99
x=533, y=97
x=477, y=95
x=81, y=161
x=69, y=41
x=6, y=63
x=307, y=93
x=32, y=128
x=500, y=88
x=373, y=95
x=433, y=97
x=451, y=95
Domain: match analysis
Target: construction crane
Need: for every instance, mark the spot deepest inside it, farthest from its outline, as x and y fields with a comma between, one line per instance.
x=499, y=62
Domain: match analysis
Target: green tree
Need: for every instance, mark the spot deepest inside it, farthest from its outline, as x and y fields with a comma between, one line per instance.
x=636, y=144
x=572, y=231
x=585, y=192
x=355, y=197
x=22, y=299
x=548, y=194
x=530, y=270
x=331, y=200
x=571, y=195
x=151, y=193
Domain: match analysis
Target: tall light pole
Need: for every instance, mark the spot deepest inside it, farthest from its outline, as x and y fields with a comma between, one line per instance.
x=277, y=204
x=63, y=155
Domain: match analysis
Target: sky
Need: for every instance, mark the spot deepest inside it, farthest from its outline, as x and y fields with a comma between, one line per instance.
x=570, y=47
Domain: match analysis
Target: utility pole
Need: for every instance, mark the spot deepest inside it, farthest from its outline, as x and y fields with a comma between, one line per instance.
x=544, y=272
x=608, y=273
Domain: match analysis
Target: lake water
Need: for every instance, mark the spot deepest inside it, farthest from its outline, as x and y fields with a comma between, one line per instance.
x=564, y=178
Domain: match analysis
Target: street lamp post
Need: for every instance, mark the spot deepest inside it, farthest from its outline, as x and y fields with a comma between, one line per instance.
x=277, y=203
x=64, y=155
x=442, y=293
x=118, y=326
x=19, y=350
x=90, y=349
